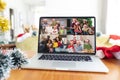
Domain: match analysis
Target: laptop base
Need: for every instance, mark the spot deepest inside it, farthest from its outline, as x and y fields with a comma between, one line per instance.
x=94, y=66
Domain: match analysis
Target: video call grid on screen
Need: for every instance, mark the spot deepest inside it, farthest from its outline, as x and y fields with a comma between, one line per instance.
x=67, y=35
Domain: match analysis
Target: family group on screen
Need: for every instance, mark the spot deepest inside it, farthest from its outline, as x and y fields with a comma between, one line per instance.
x=71, y=35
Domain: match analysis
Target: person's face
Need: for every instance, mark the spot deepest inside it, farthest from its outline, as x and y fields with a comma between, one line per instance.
x=78, y=42
x=74, y=20
x=45, y=20
x=84, y=20
x=57, y=39
x=86, y=41
x=74, y=38
x=58, y=22
x=78, y=23
x=49, y=25
x=85, y=26
x=48, y=37
x=53, y=20
x=49, y=41
x=75, y=23
x=62, y=27
x=71, y=42
x=55, y=27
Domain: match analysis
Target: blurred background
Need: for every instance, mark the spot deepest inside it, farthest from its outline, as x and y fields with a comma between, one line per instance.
x=28, y=12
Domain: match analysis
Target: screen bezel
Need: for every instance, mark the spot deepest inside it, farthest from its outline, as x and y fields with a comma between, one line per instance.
x=69, y=17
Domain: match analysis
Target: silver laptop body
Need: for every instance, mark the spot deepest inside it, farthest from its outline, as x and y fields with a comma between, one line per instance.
x=67, y=43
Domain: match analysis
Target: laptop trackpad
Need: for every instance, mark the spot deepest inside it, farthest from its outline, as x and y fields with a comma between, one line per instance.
x=62, y=64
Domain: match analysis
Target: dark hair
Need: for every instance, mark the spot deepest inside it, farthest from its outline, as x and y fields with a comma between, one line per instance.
x=48, y=37
x=50, y=41
x=55, y=40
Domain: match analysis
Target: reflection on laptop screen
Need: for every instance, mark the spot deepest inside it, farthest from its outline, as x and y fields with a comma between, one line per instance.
x=67, y=35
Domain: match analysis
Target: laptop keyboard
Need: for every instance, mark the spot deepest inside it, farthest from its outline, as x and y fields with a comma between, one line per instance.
x=66, y=58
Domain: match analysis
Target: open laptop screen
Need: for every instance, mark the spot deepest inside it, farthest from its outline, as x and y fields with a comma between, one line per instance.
x=67, y=35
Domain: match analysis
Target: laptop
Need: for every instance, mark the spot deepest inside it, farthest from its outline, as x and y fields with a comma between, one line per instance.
x=68, y=44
